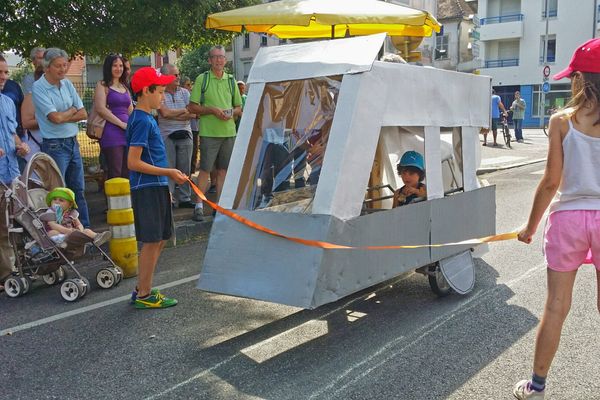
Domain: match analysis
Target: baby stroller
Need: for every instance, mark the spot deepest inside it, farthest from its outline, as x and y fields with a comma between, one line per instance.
x=38, y=256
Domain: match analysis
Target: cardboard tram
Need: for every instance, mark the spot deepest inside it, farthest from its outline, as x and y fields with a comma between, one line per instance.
x=323, y=128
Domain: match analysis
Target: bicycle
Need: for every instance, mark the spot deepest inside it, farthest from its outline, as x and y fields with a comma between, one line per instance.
x=506, y=130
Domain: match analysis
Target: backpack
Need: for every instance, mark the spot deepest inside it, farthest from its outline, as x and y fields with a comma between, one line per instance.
x=204, y=87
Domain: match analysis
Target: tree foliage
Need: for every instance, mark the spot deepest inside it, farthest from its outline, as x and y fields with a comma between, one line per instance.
x=94, y=27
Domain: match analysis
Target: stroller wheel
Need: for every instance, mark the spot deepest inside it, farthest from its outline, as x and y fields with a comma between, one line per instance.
x=51, y=278
x=86, y=285
x=71, y=289
x=118, y=274
x=26, y=281
x=13, y=287
x=106, y=278
x=61, y=274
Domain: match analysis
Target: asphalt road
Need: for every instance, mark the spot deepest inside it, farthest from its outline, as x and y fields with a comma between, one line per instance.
x=394, y=341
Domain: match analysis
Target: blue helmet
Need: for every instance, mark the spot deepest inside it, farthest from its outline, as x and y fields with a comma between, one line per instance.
x=412, y=159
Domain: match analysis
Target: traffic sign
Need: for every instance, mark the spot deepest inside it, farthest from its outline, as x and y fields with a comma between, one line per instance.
x=546, y=71
x=546, y=87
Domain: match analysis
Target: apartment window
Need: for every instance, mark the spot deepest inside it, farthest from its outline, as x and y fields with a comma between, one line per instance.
x=441, y=47
x=550, y=49
x=263, y=40
x=246, y=40
x=552, y=8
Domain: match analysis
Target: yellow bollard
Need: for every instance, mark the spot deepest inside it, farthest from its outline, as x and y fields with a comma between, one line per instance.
x=123, y=245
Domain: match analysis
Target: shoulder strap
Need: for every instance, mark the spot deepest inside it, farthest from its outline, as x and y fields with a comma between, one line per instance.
x=232, y=87
x=204, y=87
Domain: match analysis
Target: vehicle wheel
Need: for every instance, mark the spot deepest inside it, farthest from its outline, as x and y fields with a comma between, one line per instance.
x=51, y=278
x=13, y=287
x=119, y=273
x=61, y=273
x=439, y=285
x=106, y=278
x=26, y=283
x=85, y=284
x=70, y=290
x=506, y=133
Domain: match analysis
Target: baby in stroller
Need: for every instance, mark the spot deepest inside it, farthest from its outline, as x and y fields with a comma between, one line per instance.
x=61, y=218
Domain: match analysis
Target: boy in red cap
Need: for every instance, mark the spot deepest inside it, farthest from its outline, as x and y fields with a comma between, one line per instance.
x=572, y=228
x=148, y=176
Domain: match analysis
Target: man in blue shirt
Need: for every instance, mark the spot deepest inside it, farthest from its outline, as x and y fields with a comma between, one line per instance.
x=10, y=147
x=496, y=106
x=58, y=108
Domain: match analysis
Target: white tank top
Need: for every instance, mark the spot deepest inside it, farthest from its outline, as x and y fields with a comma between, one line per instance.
x=580, y=184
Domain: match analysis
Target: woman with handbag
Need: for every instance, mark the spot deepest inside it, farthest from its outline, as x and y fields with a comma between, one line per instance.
x=113, y=103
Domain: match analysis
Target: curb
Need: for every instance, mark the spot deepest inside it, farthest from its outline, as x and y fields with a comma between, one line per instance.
x=488, y=170
x=189, y=231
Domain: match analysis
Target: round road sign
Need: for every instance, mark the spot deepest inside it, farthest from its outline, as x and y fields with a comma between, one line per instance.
x=546, y=87
x=546, y=71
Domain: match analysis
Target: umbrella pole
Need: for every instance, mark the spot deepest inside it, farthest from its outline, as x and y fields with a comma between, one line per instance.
x=333, y=31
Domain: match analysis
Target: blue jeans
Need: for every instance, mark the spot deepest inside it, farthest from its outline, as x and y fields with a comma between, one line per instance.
x=518, y=128
x=65, y=153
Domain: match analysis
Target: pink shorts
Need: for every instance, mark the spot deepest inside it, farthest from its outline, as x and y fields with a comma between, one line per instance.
x=572, y=238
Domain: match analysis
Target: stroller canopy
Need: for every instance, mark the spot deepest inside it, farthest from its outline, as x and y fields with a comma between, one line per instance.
x=42, y=172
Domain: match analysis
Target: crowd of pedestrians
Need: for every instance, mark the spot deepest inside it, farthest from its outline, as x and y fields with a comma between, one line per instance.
x=194, y=121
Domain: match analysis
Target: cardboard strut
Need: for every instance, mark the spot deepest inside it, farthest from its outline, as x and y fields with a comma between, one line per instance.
x=321, y=96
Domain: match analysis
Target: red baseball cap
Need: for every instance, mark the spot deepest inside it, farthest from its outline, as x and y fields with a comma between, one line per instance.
x=147, y=76
x=585, y=59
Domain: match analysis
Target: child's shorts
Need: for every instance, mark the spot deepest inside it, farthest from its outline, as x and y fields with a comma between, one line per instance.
x=152, y=212
x=572, y=238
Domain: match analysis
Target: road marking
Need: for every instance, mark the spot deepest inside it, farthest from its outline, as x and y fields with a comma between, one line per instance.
x=423, y=332
x=57, y=317
x=540, y=172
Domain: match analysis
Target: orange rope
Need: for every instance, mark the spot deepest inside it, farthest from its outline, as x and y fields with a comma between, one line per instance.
x=327, y=245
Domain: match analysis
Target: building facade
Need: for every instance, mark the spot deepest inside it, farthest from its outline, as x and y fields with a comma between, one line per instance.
x=454, y=44
x=515, y=49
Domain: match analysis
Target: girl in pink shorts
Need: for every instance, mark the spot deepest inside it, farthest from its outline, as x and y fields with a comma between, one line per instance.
x=572, y=234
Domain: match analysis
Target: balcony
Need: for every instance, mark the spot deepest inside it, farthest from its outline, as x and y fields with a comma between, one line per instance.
x=507, y=62
x=501, y=27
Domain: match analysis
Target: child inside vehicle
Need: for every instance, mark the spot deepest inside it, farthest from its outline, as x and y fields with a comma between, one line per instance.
x=411, y=169
x=62, y=218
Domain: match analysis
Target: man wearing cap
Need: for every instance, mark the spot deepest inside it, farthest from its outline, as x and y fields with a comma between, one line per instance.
x=10, y=147
x=149, y=175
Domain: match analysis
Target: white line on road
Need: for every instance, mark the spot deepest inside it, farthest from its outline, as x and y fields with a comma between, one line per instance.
x=57, y=317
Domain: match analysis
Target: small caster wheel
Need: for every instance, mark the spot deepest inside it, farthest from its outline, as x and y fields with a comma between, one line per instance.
x=61, y=273
x=13, y=287
x=51, y=278
x=26, y=281
x=119, y=273
x=438, y=283
x=106, y=278
x=85, y=286
x=71, y=289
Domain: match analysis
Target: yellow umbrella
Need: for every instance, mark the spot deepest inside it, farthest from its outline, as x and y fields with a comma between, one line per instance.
x=289, y=19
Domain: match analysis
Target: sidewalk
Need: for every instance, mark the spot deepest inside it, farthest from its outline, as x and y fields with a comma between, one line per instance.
x=493, y=159
x=498, y=158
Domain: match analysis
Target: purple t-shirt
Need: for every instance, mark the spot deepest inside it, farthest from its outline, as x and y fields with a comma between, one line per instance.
x=118, y=103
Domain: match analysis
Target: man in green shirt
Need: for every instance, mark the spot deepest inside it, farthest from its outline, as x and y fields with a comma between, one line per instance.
x=216, y=99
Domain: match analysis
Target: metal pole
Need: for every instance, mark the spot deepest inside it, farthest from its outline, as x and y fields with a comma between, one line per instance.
x=595, y=14
x=545, y=62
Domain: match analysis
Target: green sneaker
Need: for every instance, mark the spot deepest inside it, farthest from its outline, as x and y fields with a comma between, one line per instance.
x=155, y=300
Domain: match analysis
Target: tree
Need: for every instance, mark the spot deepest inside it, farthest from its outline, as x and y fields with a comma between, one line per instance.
x=96, y=28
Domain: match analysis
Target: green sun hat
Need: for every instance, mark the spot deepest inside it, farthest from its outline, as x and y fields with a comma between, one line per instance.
x=61, y=193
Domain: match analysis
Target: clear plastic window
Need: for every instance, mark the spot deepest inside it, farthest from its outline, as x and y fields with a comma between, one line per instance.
x=288, y=144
